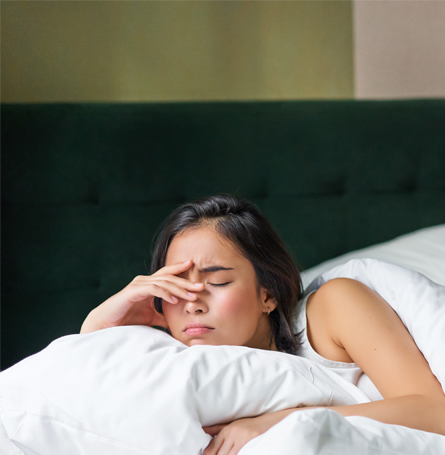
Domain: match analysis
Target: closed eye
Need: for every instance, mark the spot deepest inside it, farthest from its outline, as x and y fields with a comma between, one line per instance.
x=220, y=284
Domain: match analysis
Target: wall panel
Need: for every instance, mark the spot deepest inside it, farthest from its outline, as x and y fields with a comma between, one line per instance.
x=175, y=51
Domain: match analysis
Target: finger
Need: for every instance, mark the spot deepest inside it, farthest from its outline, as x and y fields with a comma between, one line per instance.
x=225, y=448
x=154, y=290
x=139, y=291
x=214, y=446
x=170, y=272
x=214, y=429
x=144, y=280
x=178, y=291
x=184, y=283
x=175, y=269
x=171, y=293
x=234, y=450
x=144, y=287
x=167, y=280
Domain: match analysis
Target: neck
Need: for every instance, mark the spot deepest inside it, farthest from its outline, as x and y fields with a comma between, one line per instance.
x=261, y=340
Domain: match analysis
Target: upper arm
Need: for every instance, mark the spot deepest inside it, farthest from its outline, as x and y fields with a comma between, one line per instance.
x=358, y=320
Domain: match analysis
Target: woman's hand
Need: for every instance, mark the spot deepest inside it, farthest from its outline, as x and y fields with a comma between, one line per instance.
x=134, y=305
x=231, y=437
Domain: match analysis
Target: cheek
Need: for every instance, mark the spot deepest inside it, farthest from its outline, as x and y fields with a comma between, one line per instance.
x=236, y=302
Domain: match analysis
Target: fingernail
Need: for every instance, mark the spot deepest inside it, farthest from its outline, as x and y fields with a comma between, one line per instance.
x=174, y=299
x=198, y=284
x=190, y=294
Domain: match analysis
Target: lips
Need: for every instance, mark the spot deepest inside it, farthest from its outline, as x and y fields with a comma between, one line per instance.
x=197, y=329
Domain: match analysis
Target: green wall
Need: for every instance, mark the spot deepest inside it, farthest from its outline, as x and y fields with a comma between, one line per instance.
x=176, y=50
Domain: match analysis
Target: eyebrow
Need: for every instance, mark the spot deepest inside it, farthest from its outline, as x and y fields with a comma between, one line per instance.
x=214, y=268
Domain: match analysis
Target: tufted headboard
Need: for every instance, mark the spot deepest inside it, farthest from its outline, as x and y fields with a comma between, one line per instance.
x=85, y=187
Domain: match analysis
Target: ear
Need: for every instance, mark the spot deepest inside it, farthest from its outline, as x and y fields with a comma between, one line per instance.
x=268, y=302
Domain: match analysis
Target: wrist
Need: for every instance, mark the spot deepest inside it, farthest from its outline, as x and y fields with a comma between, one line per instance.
x=271, y=419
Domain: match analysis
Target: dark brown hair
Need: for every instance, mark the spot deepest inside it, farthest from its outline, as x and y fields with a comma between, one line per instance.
x=248, y=230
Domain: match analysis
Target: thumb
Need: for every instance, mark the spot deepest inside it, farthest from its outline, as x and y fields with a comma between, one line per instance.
x=214, y=429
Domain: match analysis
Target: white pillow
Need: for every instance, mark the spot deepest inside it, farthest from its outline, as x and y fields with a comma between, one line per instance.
x=423, y=251
x=133, y=390
x=419, y=302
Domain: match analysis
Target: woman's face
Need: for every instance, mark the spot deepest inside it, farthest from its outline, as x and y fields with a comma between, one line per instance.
x=230, y=303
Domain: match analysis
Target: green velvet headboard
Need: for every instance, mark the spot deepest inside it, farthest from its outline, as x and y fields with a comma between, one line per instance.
x=85, y=187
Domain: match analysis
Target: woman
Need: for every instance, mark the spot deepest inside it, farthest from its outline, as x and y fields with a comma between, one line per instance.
x=221, y=276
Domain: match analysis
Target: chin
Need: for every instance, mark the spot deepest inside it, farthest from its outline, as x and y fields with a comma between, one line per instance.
x=202, y=342
x=197, y=341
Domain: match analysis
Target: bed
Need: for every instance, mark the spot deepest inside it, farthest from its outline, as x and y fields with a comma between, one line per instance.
x=84, y=188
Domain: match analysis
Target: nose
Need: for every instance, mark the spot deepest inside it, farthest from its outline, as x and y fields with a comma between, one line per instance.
x=199, y=305
x=196, y=306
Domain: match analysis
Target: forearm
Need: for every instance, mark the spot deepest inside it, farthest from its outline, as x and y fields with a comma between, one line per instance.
x=413, y=411
x=91, y=324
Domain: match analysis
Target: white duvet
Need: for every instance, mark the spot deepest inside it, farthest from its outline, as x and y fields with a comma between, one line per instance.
x=136, y=390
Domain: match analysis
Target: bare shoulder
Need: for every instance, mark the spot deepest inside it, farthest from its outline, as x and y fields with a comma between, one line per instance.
x=326, y=311
x=341, y=297
x=364, y=326
x=345, y=305
x=341, y=288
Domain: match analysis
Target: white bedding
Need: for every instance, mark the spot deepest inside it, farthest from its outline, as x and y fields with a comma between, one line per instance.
x=422, y=251
x=326, y=432
x=136, y=390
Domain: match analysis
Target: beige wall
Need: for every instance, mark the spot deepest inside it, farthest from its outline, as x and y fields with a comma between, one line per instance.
x=399, y=49
x=175, y=51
